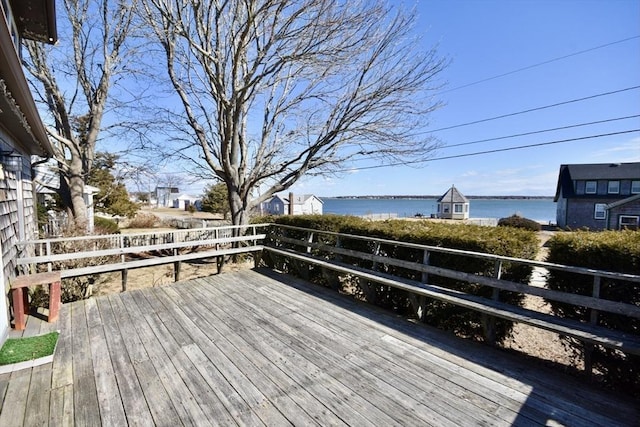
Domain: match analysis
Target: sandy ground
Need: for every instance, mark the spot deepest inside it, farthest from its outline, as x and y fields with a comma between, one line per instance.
x=537, y=342
x=526, y=339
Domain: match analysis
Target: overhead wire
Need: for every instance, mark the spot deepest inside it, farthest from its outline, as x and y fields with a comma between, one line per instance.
x=540, y=64
x=497, y=150
x=544, y=107
x=536, y=132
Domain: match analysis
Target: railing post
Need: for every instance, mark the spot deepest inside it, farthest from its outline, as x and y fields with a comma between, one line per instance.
x=370, y=287
x=489, y=322
x=424, y=278
x=176, y=267
x=123, y=260
x=593, y=318
x=48, y=248
x=307, y=266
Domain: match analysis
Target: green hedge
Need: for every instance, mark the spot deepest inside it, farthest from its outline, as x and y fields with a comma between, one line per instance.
x=499, y=241
x=617, y=251
x=517, y=221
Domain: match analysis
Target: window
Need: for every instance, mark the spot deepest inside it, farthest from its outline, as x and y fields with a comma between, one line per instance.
x=445, y=208
x=635, y=187
x=591, y=187
x=630, y=222
x=600, y=211
x=614, y=187
x=457, y=208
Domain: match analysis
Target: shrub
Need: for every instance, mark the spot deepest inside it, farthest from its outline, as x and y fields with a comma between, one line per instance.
x=105, y=226
x=617, y=251
x=74, y=288
x=144, y=220
x=499, y=241
x=517, y=221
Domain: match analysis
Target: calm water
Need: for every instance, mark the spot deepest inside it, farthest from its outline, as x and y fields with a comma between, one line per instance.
x=537, y=209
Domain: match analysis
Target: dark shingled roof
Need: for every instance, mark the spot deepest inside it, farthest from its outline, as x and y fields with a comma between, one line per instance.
x=594, y=171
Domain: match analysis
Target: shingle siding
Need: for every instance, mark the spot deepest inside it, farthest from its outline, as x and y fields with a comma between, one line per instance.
x=17, y=214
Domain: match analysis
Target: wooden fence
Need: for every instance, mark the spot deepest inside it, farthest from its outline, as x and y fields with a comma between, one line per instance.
x=86, y=255
x=328, y=250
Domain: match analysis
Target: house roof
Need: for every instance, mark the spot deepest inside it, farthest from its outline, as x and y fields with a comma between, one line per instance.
x=594, y=171
x=623, y=201
x=18, y=112
x=453, y=196
x=297, y=199
x=302, y=199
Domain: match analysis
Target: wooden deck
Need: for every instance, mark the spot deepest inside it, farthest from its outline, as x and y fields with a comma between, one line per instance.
x=259, y=348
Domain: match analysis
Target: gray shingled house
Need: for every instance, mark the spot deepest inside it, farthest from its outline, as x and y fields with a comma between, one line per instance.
x=598, y=196
x=22, y=133
x=453, y=205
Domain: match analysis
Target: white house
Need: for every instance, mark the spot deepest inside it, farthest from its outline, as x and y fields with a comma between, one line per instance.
x=22, y=135
x=306, y=204
x=183, y=201
x=165, y=196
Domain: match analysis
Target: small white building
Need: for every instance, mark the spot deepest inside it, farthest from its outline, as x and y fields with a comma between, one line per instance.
x=165, y=196
x=306, y=204
x=183, y=201
x=453, y=205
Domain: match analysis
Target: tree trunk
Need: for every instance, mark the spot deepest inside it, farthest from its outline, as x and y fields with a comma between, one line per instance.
x=76, y=189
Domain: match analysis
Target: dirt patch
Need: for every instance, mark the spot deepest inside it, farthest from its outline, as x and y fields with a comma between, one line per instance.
x=534, y=341
x=141, y=278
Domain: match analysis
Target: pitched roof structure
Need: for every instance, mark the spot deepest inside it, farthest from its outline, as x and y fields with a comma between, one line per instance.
x=593, y=171
x=453, y=196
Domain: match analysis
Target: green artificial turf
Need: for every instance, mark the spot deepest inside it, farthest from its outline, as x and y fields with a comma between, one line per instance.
x=17, y=350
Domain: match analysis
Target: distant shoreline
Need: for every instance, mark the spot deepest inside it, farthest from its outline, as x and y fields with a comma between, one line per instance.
x=437, y=197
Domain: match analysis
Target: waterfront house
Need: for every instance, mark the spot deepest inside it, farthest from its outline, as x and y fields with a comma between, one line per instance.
x=306, y=204
x=598, y=196
x=453, y=205
x=22, y=134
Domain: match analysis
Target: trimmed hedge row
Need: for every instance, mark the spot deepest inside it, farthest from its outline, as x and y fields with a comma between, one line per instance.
x=617, y=251
x=500, y=241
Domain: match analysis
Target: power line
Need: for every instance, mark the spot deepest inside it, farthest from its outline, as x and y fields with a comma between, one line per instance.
x=557, y=104
x=541, y=131
x=497, y=150
x=540, y=64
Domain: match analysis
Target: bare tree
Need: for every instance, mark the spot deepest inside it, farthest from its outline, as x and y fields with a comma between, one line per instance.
x=275, y=89
x=73, y=79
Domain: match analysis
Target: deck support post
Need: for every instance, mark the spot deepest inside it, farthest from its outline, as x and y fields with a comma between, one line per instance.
x=489, y=322
x=124, y=279
x=593, y=319
x=176, y=267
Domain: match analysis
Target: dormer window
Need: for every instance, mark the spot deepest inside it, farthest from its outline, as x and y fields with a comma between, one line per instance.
x=591, y=187
x=614, y=187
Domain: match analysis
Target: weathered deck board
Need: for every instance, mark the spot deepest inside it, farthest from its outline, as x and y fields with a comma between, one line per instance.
x=261, y=348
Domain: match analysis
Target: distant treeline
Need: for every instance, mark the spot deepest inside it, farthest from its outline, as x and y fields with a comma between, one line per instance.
x=438, y=196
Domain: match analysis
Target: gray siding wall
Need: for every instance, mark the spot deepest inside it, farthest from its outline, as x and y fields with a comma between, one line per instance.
x=628, y=209
x=17, y=205
x=580, y=213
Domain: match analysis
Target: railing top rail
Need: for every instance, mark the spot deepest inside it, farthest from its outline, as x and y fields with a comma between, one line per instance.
x=533, y=263
x=133, y=235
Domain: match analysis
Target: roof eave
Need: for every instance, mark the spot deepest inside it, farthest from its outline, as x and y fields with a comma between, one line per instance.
x=31, y=134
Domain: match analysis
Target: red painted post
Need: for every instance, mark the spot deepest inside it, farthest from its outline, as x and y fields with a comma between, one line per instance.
x=54, y=301
x=19, y=308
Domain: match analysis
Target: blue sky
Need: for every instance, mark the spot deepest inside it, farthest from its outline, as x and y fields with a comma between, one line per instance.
x=485, y=39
